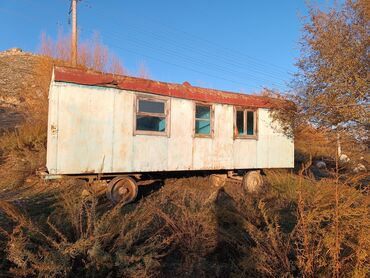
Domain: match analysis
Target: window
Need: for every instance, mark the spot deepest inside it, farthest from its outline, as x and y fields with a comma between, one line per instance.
x=203, y=120
x=151, y=116
x=245, y=123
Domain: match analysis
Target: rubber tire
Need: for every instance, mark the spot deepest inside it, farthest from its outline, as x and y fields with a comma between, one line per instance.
x=252, y=182
x=117, y=185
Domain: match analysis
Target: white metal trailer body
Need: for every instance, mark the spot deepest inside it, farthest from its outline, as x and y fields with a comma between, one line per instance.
x=91, y=129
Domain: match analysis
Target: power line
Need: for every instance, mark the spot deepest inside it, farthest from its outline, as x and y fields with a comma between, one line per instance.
x=212, y=43
x=231, y=50
x=206, y=58
x=179, y=66
x=227, y=59
x=203, y=60
x=196, y=62
x=25, y=71
x=190, y=60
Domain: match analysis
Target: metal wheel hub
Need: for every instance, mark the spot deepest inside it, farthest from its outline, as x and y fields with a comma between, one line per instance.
x=122, y=189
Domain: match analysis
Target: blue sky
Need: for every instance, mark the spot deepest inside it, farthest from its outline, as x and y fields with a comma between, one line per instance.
x=232, y=45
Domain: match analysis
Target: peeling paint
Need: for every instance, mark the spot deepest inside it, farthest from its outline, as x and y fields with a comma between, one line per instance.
x=95, y=129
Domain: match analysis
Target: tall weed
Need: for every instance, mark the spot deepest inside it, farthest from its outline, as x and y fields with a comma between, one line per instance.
x=189, y=228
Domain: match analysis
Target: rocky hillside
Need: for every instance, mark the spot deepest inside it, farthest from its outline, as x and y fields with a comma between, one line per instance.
x=19, y=78
x=17, y=73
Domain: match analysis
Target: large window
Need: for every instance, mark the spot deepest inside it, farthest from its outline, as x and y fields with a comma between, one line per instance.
x=151, y=116
x=203, y=120
x=245, y=123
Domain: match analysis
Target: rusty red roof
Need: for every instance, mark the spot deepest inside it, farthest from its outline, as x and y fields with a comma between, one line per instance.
x=185, y=90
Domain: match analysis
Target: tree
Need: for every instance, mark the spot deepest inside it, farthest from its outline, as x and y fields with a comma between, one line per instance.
x=92, y=53
x=333, y=85
x=333, y=78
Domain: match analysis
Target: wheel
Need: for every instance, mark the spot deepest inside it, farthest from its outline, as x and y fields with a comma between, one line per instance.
x=252, y=182
x=122, y=189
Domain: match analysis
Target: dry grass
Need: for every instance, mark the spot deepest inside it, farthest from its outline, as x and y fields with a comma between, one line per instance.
x=189, y=228
x=23, y=152
x=314, y=235
x=25, y=138
x=80, y=237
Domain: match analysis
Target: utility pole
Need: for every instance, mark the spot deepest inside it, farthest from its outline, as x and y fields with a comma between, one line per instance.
x=74, y=33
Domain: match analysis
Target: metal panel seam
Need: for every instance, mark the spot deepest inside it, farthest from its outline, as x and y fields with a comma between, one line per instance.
x=57, y=137
x=113, y=127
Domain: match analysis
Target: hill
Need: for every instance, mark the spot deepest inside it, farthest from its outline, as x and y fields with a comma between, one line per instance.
x=17, y=73
x=18, y=79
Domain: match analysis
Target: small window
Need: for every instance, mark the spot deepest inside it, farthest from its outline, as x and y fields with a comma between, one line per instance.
x=246, y=126
x=203, y=120
x=151, y=116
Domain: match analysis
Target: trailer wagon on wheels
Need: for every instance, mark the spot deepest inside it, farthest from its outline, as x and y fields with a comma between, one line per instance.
x=121, y=128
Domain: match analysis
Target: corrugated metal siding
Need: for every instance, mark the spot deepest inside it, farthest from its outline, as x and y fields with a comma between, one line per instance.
x=222, y=143
x=123, y=155
x=52, y=142
x=180, y=145
x=95, y=134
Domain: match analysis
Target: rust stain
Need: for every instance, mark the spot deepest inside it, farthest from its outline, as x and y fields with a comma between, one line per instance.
x=185, y=90
x=88, y=172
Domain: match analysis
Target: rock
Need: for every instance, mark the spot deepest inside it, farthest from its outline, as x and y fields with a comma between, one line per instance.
x=321, y=164
x=344, y=158
x=360, y=168
x=14, y=50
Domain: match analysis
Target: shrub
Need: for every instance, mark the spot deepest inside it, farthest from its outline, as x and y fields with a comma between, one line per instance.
x=81, y=237
x=189, y=228
x=26, y=138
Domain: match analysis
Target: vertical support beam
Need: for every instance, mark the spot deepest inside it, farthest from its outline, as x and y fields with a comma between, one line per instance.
x=74, y=33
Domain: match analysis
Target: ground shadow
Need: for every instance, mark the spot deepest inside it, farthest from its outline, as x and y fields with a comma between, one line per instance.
x=232, y=237
x=9, y=119
x=148, y=189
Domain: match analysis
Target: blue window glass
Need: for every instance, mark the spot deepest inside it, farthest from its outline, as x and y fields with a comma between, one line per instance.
x=150, y=123
x=203, y=119
x=250, y=123
x=202, y=127
x=151, y=115
x=245, y=123
x=151, y=106
x=240, y=121
x=203, y=112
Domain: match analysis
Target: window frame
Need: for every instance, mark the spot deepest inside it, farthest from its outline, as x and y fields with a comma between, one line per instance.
x=166, y=115
x=245, y=111
x=212, y=113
